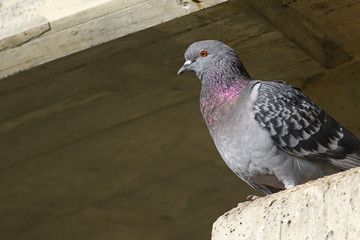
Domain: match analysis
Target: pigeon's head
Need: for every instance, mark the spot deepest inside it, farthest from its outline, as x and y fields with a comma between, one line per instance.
x=203, y=56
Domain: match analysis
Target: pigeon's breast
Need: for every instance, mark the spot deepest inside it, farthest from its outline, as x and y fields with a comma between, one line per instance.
x=243, y=145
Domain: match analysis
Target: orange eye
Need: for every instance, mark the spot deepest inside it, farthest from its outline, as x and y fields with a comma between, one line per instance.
x=203, y=53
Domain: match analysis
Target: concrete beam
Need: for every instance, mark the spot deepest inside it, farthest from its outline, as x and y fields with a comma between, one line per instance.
x=32, y=33
x=324, y=209
x=301, y=32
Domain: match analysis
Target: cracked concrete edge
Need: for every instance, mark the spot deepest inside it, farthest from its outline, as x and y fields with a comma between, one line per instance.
x=48, y=36
x=327, y=208
x=25, y=32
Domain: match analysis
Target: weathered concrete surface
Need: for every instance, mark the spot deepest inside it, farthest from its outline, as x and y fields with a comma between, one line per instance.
x=338, y=20
x=303, y=33
x=324, y=209
x=34, y=32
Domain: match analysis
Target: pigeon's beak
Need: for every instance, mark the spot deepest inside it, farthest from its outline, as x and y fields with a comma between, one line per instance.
x=184, y=68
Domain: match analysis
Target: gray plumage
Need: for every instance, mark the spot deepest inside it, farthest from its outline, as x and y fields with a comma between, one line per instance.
x=270, y=134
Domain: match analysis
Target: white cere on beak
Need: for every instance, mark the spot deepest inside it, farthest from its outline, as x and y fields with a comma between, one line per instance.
x=188, y=62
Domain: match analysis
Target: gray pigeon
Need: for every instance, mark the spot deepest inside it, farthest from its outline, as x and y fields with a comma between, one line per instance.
x=270, y=134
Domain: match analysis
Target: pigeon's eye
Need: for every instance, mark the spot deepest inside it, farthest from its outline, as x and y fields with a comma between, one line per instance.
x=203, y=53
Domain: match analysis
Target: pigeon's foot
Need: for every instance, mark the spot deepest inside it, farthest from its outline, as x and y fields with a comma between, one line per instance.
x=252, y=197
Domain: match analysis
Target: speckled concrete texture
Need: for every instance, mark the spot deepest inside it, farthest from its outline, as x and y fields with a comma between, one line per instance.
x=324, y=209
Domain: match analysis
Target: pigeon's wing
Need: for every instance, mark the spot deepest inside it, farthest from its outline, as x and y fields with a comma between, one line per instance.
x=301, y=128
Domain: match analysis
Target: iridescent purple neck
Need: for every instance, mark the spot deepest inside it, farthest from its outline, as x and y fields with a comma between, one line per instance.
x=218, y=97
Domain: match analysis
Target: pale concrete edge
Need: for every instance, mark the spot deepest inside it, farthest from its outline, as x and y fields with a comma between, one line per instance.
x=78, y=19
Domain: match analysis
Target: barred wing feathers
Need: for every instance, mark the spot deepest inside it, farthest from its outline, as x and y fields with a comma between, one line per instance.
x=301, y=128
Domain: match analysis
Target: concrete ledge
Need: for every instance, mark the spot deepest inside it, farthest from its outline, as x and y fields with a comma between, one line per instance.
x=327, y=208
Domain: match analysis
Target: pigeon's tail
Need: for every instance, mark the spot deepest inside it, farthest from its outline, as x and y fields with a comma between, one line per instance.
x=349, y=148
x=352, y=160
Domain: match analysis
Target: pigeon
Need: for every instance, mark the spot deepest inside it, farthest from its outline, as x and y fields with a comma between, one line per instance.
x=270, y=134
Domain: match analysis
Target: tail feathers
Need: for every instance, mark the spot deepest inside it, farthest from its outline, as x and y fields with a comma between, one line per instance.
x=352, y=160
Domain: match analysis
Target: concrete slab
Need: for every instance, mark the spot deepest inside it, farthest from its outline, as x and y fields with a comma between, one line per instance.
x=71, y=26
